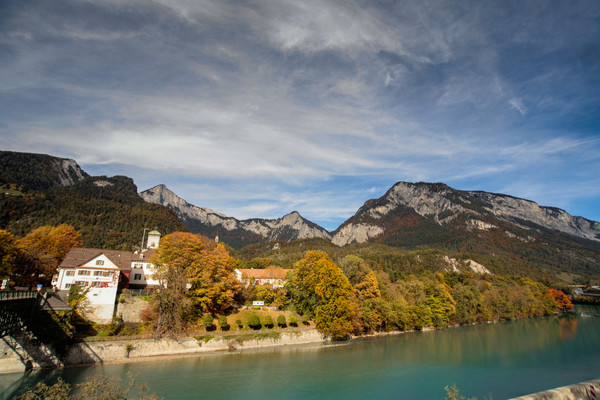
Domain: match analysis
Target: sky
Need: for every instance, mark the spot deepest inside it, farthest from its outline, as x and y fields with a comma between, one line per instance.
x=259, y=108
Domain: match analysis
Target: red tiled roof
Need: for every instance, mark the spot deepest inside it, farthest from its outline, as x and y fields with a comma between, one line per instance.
x=271, y=272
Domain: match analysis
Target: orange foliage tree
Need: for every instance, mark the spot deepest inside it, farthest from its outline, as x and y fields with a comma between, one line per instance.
x=41, y=252
x=560, y=298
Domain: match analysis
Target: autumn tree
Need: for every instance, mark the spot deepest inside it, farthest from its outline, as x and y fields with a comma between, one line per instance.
x=322, y=290
x=8, y=254
x=213, y=284
x=177, y=254
x=41, y=252
x=195, y=278
x=560, y=298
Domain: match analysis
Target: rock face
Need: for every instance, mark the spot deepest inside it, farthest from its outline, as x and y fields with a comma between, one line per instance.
x=418, y=206
x=68, y=171
x=39, y=171
x=203, y=220
x=443, y=205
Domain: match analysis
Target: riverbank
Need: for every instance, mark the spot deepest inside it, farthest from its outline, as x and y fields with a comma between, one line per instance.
x=126, y=350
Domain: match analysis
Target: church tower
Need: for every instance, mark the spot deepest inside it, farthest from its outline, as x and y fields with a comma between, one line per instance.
x=153, y=239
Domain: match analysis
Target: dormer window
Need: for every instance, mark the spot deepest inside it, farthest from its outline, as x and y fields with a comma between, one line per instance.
x=99, y=262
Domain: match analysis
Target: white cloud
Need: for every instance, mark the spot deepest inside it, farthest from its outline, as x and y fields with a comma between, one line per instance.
x=517, y=104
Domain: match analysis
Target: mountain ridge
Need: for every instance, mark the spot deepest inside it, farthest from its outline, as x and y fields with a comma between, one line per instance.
x=196, y=219
x=442, y=204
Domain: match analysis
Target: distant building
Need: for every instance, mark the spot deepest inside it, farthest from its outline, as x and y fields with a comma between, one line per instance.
x=271, y=276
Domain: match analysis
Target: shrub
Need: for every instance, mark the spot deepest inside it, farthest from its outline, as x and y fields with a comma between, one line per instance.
x=223, y=323
x=207, y=321
x=293, y=321
x=268, y=321
x=239, y=323
x=254, y=322
x=281, y=321
x=128, y=348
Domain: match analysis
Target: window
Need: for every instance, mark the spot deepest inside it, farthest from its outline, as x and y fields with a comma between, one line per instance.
x=138, y=265
x=82, y=283
x=99, y=262
x=106, y=273
x=83, y=272
x=70, y=273
x=68, y=285
x=98, y=273
x=137, y=277
x=97, y=284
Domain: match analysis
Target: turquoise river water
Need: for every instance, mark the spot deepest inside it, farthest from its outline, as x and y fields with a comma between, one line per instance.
x=490, y=361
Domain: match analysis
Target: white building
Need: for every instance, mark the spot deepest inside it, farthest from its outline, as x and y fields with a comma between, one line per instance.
x=104, y=272
x=142, y=270
x=271, y=276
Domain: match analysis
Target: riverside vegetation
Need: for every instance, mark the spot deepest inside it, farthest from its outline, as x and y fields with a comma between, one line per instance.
x=357, y=295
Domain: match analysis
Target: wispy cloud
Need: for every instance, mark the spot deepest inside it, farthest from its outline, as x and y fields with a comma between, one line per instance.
x=313, y=102
x=518, y=105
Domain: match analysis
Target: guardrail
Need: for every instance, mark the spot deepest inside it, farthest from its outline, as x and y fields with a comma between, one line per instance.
x=6, y=295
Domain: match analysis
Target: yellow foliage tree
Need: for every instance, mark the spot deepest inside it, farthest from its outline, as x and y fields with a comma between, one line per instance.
x=322, y=288
x=42, y=250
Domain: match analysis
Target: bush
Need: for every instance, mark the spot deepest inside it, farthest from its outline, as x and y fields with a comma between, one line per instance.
x=268, y=321
x=223, y=323
x=293, y=321
x=254, y=322
x=207, y=321
x=281, y=321
x=239, y=323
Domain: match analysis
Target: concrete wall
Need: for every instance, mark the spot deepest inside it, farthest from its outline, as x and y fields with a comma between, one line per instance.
x=579, y=391
x=116, y=350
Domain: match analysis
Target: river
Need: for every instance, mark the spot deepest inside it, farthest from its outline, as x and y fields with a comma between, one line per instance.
x=496, y=361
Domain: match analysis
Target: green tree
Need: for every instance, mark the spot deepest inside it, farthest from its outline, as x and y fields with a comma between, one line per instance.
x=207, y=321
x=254, y=322
x=268, y=321
x=223, y=323
x=77, y=298
x=281, y=321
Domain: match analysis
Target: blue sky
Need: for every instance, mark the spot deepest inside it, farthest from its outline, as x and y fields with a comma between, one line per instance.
x=260, y=108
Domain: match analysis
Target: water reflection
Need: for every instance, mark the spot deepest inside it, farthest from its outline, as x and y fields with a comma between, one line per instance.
x=499, y=360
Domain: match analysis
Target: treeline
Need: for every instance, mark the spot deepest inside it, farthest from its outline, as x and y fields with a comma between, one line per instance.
x=349, y=298
x=369, y=301
x=107, y=212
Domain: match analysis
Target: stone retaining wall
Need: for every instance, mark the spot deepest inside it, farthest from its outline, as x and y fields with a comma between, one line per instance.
x=130, y=350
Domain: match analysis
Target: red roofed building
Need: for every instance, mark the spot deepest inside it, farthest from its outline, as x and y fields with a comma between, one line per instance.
x=271, y=276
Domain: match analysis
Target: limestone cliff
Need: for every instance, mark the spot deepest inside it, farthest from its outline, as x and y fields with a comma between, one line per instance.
x=475, y=210
x=203, y=220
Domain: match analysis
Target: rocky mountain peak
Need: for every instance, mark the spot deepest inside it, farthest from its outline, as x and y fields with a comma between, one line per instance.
x=203, y=220
x=442, y=204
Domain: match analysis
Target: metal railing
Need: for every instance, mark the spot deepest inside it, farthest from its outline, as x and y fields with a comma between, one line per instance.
x=17, y=294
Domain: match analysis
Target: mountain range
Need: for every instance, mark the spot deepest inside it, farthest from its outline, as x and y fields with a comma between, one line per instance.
x=403, y=208
x=498, y=230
